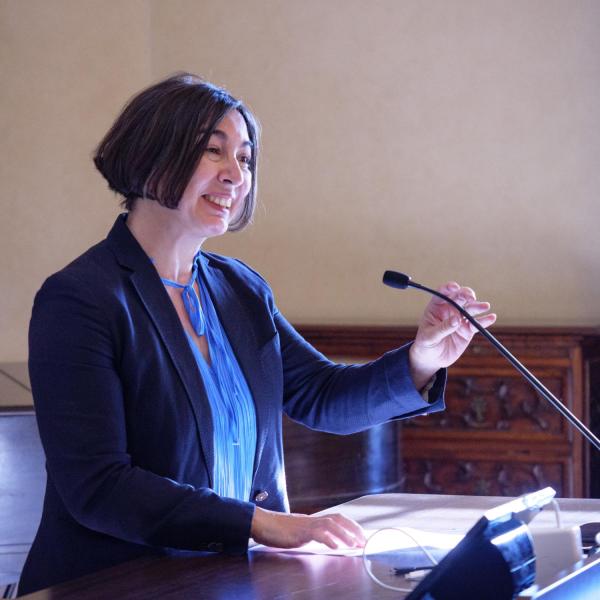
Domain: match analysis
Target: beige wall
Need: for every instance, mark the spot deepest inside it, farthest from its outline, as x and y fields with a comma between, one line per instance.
x=450, y=139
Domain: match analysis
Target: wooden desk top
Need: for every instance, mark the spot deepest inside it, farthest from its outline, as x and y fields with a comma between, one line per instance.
x=262, y=576
x=452, y=514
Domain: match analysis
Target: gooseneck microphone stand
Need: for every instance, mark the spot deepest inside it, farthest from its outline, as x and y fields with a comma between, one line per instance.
x=401, y=281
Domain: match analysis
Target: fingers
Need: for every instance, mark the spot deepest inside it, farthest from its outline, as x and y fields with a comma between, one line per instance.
x=337, y=530
x=465, y=297
x=454, y=290
x=475, y=309
x=486, y=320
x=431, y=336
x=357, y=532
x=293, y=530
x=444, y=333
x=461, y=295
x=441, y=320
x=450, y=287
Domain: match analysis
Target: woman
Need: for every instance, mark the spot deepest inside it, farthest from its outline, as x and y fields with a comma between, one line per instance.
x=160, y=372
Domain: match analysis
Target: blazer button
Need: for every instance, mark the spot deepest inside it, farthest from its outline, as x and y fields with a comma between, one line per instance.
x=261, y=496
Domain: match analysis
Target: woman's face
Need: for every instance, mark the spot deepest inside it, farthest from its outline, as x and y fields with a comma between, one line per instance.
x=215, y=194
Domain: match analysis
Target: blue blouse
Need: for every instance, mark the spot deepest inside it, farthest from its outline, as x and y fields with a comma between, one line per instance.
x=230, y=399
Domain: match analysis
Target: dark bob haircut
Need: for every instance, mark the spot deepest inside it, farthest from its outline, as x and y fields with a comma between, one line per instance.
x=154, y=146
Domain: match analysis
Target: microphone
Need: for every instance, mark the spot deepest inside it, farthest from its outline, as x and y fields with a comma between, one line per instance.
x=401, y=281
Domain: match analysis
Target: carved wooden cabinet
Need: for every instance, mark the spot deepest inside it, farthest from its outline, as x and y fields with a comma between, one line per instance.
x=496, y=437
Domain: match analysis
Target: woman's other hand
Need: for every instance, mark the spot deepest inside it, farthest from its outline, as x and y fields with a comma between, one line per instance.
x=443, y=335
x=283, y=530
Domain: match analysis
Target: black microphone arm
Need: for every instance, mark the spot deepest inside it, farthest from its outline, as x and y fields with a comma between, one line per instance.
x=402, y=281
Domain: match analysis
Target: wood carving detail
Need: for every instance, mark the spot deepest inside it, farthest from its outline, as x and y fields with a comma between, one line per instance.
x=495, y=404
x=487, y=403
x=481, y=478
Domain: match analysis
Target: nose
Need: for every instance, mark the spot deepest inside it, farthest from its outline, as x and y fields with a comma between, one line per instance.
x=231, y=172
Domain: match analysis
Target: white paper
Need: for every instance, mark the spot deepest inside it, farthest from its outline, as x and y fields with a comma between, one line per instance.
x=383, y=540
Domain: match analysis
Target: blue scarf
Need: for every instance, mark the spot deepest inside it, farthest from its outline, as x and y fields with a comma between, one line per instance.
x=191, y=302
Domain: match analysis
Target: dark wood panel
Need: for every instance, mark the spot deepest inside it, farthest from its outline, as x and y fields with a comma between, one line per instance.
x=491, y=409
x=483, y=477
x=525, y=342
x=323, y=470
x=504, y=403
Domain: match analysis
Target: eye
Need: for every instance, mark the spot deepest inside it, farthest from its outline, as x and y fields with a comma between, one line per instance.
x=246, y=160
x=213, y=150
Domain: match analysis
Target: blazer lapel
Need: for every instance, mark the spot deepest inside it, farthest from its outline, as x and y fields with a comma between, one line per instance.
x=150, y=289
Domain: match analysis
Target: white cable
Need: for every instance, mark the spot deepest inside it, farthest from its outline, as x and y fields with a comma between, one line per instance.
x=368, y=568
x=556, y=508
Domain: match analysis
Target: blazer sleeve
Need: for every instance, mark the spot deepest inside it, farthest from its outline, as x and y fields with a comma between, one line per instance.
x=349, y=398
x=81, y=408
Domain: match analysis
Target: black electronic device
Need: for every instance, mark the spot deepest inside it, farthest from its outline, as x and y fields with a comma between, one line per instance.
x=589, y=533
x=495, y=559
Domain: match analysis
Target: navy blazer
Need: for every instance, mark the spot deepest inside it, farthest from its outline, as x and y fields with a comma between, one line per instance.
x=126, y=425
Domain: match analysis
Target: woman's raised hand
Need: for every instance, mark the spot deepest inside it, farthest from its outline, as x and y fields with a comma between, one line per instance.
x=443, y=334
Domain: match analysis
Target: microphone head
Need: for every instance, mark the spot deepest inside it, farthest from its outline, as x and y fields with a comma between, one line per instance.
x=396, y=280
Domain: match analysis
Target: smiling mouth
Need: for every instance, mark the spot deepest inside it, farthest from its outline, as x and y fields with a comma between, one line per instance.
x=222, y=202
